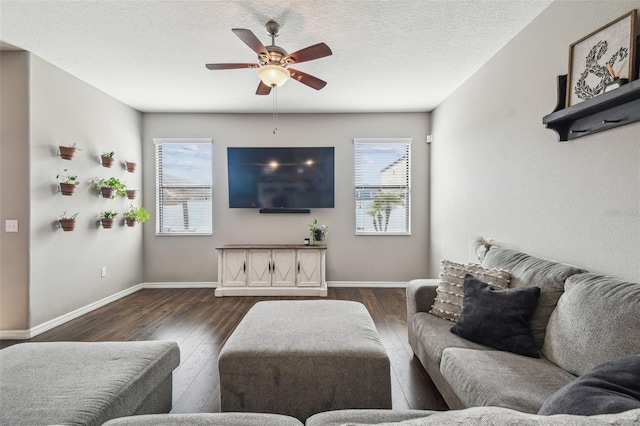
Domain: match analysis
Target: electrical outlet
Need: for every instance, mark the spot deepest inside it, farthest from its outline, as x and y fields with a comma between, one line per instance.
x=11, y=225
x=103, y=271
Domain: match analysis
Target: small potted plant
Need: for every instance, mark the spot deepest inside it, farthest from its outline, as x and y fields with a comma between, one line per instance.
x=110, y=188
x=132, y=194
x=107, y=219
x=67, y=152
x=68, y=183
x=131, y=167
x=107, y=158
x=135, y=215
x=318, y=232
x=67, y=223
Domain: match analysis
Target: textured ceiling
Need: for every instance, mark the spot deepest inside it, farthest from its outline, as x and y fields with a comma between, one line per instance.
x=150, y=54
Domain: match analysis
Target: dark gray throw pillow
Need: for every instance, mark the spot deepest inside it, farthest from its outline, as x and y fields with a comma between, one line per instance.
x=612, y=387
x=498, y=318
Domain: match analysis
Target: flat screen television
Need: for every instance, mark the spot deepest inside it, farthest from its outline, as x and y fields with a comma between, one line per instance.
x=284, y=179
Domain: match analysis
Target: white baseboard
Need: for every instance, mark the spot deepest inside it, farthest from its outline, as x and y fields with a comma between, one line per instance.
x=180, y=285
x=14, y=334
x=368, y=284
x=39, y=329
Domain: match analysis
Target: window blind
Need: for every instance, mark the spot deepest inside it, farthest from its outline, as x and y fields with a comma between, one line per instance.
x=382, y=186
x=184, y=171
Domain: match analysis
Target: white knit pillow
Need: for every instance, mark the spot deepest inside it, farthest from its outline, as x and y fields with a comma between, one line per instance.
x=450, y=294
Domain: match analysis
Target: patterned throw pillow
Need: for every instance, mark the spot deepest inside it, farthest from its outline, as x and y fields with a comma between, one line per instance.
x=450, y=293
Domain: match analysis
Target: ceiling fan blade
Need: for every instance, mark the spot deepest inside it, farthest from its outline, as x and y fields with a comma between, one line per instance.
x=230, y=66
x=263, y=89
x=251, y=40
x=310, y=53
x=309, y=80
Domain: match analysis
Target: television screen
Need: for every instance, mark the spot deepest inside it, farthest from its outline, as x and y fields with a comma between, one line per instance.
x=281, y=178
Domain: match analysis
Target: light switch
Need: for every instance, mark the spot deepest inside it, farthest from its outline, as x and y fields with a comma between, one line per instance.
x=11, y=225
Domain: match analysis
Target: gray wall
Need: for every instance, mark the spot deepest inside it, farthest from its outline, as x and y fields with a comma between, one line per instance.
x=65, y=266
x=349, y=257
x=497, y=172
x=14, y=189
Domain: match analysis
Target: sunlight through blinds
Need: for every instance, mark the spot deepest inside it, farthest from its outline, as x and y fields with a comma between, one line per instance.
x=382, y=186
x=183, y=186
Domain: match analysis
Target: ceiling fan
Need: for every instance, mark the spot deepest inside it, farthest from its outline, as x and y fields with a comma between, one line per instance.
x=274, y=60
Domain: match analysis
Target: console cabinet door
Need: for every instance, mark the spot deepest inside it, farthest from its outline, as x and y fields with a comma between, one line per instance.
x=234, y=263
x=283, y=268
x=309, y=268
x=259, y=268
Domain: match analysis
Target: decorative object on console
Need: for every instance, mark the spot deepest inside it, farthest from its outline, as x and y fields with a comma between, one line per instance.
x=107, y=158
x=67, y=223
x=450, y=293
x=498, y=318
x=613, y=43
x=318, y=233
x=68, y=183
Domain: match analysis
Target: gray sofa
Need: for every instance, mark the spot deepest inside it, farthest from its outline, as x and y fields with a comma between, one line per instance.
x=581, y=320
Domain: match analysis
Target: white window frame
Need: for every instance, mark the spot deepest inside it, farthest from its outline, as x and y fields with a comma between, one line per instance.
x=159, y=186
x=382, y=142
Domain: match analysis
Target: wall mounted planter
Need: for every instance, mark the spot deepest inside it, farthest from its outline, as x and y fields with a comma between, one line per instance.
x=107, y=223
x=131, y=222
x=107, y=192
x=107, y=161
x=67, y=152
x=132, y=194
x=131, y=167
x=68, y=188
x=67, y=224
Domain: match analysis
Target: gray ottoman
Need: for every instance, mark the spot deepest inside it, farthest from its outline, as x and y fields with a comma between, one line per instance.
x=83, y=383
x=299, y=358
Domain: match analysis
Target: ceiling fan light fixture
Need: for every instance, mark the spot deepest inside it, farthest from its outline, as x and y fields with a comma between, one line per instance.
x=273, y=75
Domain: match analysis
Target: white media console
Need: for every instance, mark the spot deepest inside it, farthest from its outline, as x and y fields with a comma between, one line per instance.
x=271, y=270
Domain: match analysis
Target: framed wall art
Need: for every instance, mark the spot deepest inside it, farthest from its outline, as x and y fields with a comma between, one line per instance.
x=602, y=57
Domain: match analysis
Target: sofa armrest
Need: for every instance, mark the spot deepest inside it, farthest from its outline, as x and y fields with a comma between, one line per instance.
x=420, y=297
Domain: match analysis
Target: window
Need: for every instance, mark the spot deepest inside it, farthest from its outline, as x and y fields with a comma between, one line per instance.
x=183, y=186
x=382, y=190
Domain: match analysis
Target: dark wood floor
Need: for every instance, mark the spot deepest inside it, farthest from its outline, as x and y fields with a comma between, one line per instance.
x=201, y=323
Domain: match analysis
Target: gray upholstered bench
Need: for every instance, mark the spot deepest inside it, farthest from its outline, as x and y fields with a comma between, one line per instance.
x=84, y=383
x=299, y=358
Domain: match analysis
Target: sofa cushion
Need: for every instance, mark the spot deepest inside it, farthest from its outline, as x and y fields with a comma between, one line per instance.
x=612, y=387
x=368, y=417
x=434, y=336
x=82, y=383
x=501, y=378
x=497, y=416
x=530, y=271
x=207, y=419
x=498, y=318
x=597, y=320
x=450, y=292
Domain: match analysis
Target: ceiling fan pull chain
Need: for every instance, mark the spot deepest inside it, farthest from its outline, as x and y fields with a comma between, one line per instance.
x=275, y=108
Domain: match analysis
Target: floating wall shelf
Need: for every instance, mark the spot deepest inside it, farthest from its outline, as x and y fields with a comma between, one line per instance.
x=613, y=109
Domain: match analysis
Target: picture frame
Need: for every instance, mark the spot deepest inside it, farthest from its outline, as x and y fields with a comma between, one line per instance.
x=593, y=59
